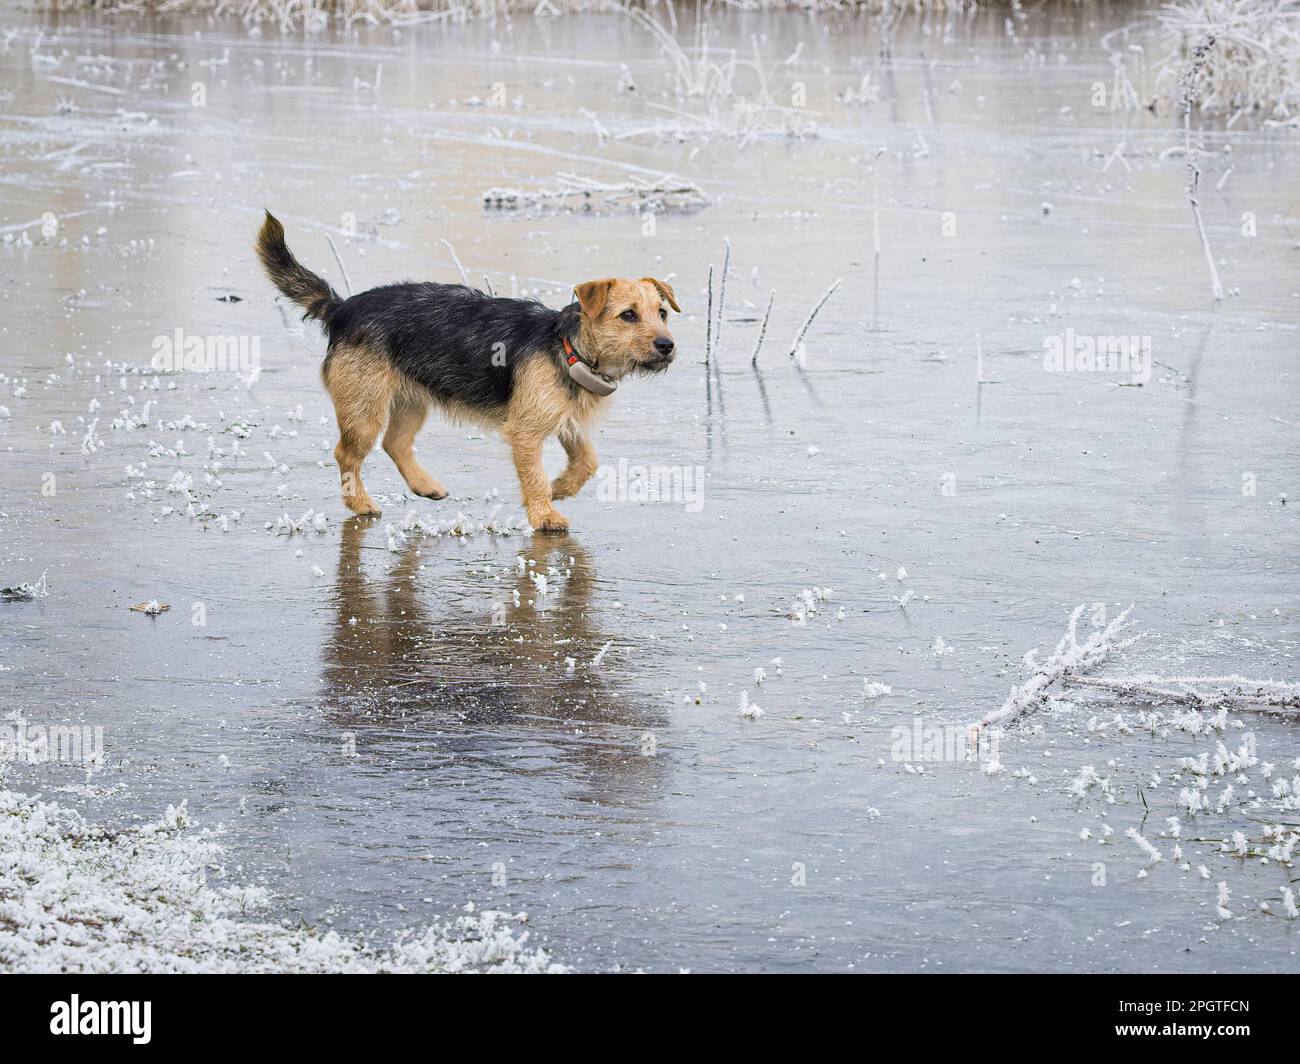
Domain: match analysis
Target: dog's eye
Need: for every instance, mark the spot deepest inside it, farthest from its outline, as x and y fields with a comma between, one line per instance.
x=628, y=315
x=663, y=314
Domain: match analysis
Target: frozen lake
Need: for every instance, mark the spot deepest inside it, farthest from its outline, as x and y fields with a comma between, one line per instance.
x=381, y=749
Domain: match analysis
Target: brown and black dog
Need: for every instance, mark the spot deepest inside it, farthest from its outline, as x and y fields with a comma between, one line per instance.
x=514, y=365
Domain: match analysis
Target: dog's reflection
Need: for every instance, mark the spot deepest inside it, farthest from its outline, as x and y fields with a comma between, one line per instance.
x=489, y=661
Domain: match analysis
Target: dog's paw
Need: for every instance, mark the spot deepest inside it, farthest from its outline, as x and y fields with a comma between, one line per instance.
x=364, y=506
x=432, y=490
x=549, y=520
x=561, y=489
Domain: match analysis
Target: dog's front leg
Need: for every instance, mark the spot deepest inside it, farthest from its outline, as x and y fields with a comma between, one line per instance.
x=526, y=448
x=581, y=468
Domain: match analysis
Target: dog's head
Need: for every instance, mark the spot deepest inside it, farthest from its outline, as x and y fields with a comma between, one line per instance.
x=625, y=325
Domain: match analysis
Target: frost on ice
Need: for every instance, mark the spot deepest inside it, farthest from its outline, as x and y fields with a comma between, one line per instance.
x=79, y=898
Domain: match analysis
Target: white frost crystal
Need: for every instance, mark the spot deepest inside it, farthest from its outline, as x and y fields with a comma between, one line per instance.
x=78, y=898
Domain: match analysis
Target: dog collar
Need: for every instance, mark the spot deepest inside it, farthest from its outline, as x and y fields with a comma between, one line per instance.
x=583, y=375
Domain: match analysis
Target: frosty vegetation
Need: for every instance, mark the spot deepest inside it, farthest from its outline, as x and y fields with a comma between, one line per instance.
x=27, y=592
x=1069, y=659
x=79, y=898
x=1070, y=663
x=1254, y=65
x=314, y=13
x=577, y=193
x=1229, y=798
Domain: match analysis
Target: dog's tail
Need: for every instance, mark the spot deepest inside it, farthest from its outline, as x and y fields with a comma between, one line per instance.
x=312, y=293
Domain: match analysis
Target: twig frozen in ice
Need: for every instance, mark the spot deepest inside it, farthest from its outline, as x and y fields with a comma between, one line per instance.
x=347, y=282
x=1123, y=97
x=722, y=291
x=90, y=443
x=464, y=277
x=1071, y=661
x=1070, y=658
x=1194, y=65
x=798, y=337
x=602, y=134
x=1203, y=692
x=887, y=18
x=581, y=193
x=1118, y=153
x=875, y=236
x=708, y=324
x=762, y=329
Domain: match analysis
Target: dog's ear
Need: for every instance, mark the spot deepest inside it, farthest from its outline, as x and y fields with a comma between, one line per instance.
x=592, y=296
x=665, y=291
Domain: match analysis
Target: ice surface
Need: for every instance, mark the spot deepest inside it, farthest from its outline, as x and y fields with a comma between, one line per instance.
x=392, y=720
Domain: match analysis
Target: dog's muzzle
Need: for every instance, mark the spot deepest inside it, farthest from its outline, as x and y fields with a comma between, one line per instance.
x=663, y=357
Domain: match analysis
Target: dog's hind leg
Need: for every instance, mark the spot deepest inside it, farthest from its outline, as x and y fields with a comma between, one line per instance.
x=404, y=420
x=582, y=463
x=362, y=387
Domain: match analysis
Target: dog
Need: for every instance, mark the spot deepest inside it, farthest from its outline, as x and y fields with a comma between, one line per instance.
x=512, y=365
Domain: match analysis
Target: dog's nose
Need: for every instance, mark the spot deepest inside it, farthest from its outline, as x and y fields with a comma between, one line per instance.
x=664, y=345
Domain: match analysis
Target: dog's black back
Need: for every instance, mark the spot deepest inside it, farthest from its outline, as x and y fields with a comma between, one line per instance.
x=459, y=343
